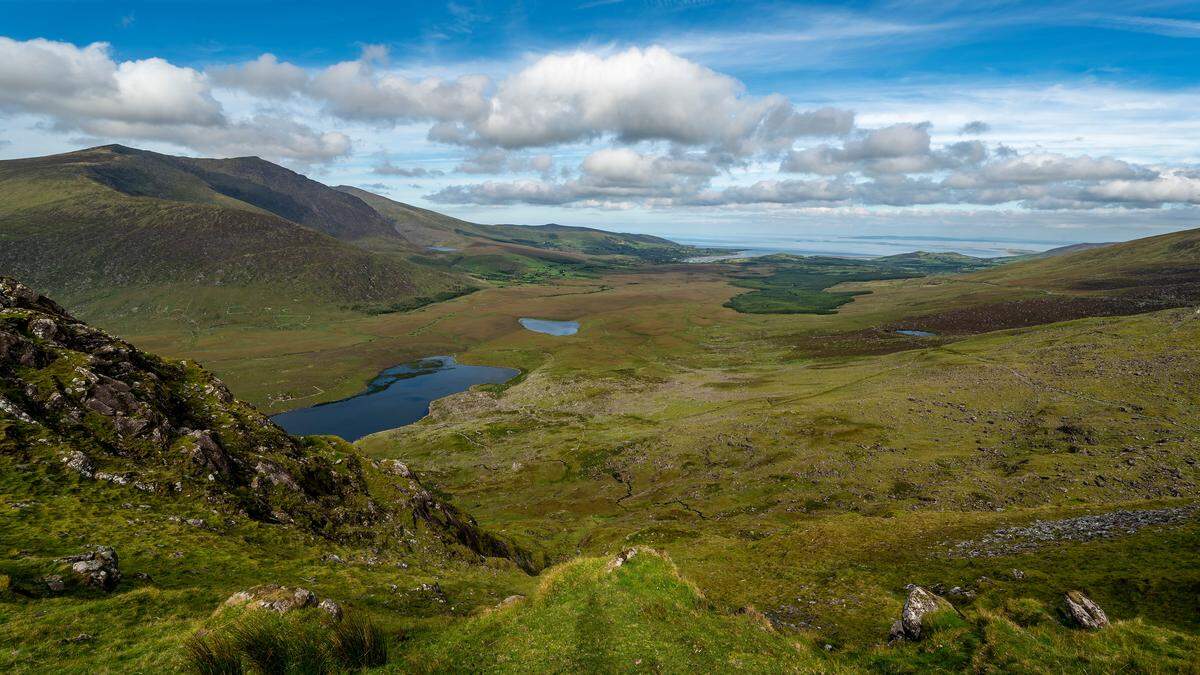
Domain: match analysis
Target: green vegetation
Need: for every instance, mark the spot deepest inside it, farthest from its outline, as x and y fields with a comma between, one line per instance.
x=786, y=284
x=782, y=477
x=304, y=641
x=506, y=253
x=587, y=616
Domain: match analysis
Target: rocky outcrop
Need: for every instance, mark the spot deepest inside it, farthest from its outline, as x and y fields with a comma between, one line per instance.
x=98, y=409
x=919, y=604
x=273, y=597
x=130, y=418
x=1081, y=612
x=97, y=568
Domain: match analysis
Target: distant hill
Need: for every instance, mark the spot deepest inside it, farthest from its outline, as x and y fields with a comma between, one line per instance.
x=928, y=262
x=508, y=251
x=1061, y=250
x=117, y=226
x=1159, y=265
x=1085, y=280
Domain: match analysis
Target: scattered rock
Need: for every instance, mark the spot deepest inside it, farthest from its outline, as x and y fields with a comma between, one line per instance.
x=1010, y=540
x=54, y=583
x=622, y=558
x=512, y=599
x=1082, y=612
x=919, y=603
x=97, y=568
x=332, y=608
x=82, y=637
x=9, y=408
x=395, y=467
x=960, y=593
x=281, y=599
x=433, y=590
x=79, y=463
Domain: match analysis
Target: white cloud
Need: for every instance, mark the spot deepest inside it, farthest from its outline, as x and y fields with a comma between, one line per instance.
x=73, y=84
x=354, y=90
x=1049, y=168
x=640, y=94
x=265, y=76
x=84, y=89
x=1168, y=188
x=389, y=169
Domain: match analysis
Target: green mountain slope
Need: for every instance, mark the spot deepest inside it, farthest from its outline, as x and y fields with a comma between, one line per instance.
x=516, y=251
x=1161, y=264
x=113, y=229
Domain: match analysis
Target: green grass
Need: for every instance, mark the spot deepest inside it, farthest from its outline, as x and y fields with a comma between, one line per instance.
x=811, y=487
x=787, y=284
x=587, y=617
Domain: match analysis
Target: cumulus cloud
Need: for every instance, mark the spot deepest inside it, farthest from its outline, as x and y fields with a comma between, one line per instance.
x=75, y=84
x=641, y=94
x=974, y=128
x=632, y=95
x=389, y=169
x=607, y=177
x=265, y=76
x=356, y=90
x=1049, y=168
x=1174, y=187
x=899, y=148
x=84, y=89
x=362, y=89
x=893, y=166
x=664, y=130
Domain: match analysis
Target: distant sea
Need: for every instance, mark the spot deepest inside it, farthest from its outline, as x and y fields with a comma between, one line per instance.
x=866, y=246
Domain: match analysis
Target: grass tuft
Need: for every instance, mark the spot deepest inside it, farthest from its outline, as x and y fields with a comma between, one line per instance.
x=209, y=654
x=357, y=643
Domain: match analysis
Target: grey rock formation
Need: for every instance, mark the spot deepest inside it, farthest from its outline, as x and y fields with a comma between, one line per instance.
x=917, y=606
x=1082, y=612
x=97, y=568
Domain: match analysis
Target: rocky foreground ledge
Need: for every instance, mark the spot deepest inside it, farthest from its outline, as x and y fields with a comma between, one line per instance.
x=103, y=410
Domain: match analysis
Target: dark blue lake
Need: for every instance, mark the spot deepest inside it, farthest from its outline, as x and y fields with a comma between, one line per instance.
x=397, y=396
x=550, y=327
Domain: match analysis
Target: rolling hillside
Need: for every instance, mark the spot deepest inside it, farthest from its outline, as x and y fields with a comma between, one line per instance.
x=515, y=251
x=116, y=230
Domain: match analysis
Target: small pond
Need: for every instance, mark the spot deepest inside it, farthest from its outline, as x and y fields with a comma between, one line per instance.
x=551, y=327
x=917, y=333
x=398, y=396
x=443, y=249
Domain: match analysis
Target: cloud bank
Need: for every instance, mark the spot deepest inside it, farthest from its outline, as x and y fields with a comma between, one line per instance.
x=640, y=126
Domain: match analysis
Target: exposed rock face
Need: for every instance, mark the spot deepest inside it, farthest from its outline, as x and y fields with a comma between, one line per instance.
x=130, y=418
x=331, y=608
x=1082, y=612
x=917, y=606
x=97, y=568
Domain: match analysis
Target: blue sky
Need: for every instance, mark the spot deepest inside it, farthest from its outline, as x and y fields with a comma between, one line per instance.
x=1043, y=121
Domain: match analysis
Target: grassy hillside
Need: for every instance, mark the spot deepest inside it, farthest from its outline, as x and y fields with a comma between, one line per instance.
x=530, y=253
x=788, y=284
x=114, y=231
x=796, y=493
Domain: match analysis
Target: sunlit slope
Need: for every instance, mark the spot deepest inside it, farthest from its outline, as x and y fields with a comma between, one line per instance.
x=112, y=227
x=507, y=250
x=595, y=615
x=1160, y=265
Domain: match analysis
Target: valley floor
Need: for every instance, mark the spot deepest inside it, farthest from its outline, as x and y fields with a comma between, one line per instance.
x=799, y=470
